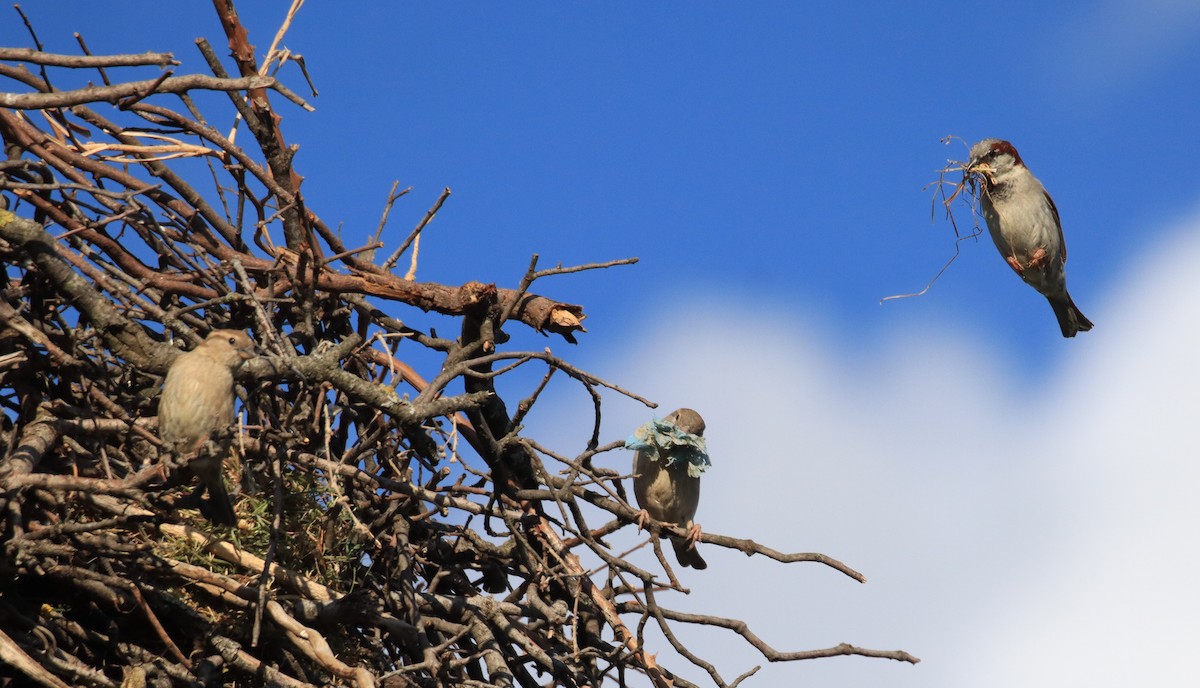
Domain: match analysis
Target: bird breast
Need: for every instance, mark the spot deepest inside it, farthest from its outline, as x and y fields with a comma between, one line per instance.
x=1020, y=228
x=666, y=494
x=197, y=399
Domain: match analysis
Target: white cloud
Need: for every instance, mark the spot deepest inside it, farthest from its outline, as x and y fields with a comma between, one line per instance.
x=1014, y=531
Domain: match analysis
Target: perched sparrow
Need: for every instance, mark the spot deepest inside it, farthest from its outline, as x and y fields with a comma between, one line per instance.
x=197, y=401
x=671, y=455
x=1024, y=223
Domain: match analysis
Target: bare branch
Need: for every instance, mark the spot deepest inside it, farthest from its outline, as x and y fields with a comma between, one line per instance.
x=111, y=94
x=87, y=61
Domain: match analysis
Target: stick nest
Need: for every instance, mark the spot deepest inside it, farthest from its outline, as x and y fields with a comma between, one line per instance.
x=395, y=527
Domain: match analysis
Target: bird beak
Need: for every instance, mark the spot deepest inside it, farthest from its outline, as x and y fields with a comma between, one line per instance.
x=980, y=168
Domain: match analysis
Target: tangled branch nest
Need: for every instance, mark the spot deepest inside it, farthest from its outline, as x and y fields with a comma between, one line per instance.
x=391, y=532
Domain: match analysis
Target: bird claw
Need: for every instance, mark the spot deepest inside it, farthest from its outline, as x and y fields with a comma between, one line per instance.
x=642, y=517
x=693, y=535
x=1015, y=264
x=1038, y=259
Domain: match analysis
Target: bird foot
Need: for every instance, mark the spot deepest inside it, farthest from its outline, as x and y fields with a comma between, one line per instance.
x=642, y=517
x=1038, y=259
x=693, y=535
x=1015, y=264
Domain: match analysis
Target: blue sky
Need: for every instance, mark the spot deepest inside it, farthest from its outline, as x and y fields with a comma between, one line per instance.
x=766, y=161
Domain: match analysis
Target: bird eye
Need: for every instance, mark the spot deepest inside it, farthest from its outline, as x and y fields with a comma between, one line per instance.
x=232, y=341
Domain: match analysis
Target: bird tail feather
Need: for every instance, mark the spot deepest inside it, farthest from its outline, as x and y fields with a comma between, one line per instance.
x=686, y=554
x=1070, y=320
x=220, y=507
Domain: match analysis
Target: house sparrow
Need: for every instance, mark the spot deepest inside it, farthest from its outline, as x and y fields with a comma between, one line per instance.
x=1023, y=222
x=197, y=401
x=671, y=455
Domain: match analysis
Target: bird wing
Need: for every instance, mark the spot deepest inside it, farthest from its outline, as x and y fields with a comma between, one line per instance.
x=1058, y=223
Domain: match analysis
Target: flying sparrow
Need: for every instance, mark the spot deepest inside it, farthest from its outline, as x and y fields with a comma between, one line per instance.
x=1023, y=221
x=671, y=454
x=197, y=402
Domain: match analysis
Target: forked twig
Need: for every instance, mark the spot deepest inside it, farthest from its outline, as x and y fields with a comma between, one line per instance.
x=415, y=235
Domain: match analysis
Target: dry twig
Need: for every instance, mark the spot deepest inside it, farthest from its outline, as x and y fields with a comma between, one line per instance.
x=966, y=181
